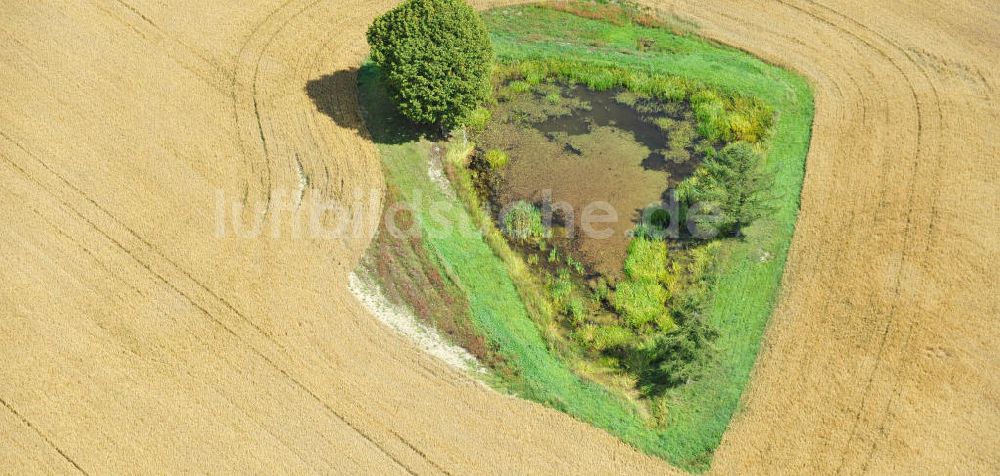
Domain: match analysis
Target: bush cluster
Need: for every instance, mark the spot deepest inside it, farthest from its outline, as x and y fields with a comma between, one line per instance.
x=523, y=222
x=681, y=355
x=437, y=57
x=734, y=118
x=720, y=118
x=496, y=158
x=736, y=187
x=478, y=118
x=641, y=297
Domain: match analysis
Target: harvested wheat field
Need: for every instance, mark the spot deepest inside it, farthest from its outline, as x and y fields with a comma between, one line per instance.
x=136, y=336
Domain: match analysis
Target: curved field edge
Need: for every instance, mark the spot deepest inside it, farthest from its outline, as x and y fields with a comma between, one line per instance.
x=747, y=286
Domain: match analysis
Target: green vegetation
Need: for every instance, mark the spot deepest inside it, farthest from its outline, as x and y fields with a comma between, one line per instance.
x=733, y=116
x=683, y=354
x=633, y=330
x=477, y=119
x=748, y=270
x=641, y=298
x=412, y=276
x=437, y=57
x=496, y=158
x=717, y=296
x=736, y=184
x=523, y=222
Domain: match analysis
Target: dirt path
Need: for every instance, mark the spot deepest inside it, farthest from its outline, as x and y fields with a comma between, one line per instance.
x=132, y=338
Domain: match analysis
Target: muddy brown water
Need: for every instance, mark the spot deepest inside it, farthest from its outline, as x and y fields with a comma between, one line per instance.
x=607, y=111
x=601, y=160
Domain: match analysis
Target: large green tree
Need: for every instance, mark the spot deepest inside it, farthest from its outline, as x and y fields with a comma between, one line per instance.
x=736, y=186
x=437, y=57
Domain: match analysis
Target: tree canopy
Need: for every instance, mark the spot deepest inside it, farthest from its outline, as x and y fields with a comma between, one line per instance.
x=437, y=57
x=736, y=184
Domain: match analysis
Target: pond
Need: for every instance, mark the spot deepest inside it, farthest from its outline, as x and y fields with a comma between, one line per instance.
x=576, y=149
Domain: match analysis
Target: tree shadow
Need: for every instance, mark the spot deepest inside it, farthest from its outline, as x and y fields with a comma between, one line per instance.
x=379, y=116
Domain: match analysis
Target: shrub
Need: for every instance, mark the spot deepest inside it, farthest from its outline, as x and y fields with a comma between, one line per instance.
x=705, y=150
x=524, y=222
x=575, y=310
x=667, y=88
x=627, y=97
x=736, y=183
x=601, y=290
x=641, y=303
x=647, y=231
x=611, y=337
x=437, y=57
x=478, y=118
x=710, y=114
x=739, y=118
x=682, y=136
x=534, y=78
x=660, y=218
x=680, y=356
x=496, y=158
x=575, y=264
x=741, y=128
x=533, y=73
x=519, y=87
x=665, y=124
x=641, y=298
x=561, y=289
x=750, y=119
x=601, y=80
x=646, y=260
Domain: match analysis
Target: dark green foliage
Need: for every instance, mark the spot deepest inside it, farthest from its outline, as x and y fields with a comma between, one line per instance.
x=437, y=57
x=660, y=218
x=735, y=186
x=680, y=356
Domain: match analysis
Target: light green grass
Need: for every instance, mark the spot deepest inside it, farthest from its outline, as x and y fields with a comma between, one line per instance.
x=747, y=287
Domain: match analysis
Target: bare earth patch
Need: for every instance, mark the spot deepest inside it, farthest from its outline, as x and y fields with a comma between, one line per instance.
x=402, y=320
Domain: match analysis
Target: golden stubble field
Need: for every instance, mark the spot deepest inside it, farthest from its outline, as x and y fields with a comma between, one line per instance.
x=133, y=339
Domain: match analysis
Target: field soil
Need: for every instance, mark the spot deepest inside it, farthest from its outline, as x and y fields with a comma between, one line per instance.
x=134, y=339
